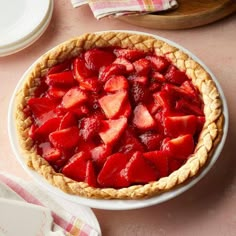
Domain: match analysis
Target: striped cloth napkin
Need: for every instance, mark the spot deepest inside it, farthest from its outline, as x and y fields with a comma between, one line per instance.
x=103, y=8
x=63, y=223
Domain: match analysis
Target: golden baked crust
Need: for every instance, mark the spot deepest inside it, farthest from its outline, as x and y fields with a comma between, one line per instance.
x=208, y=140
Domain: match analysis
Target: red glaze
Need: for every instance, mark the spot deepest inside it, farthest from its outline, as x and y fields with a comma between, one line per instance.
x=115, y=117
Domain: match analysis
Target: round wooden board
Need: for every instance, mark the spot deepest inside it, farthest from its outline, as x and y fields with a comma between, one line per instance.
x=189, y=14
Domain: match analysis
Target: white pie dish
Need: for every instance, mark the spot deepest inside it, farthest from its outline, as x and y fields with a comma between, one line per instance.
x=122, y=204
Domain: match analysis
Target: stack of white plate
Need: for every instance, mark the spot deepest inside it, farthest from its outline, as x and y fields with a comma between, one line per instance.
x=22, y=22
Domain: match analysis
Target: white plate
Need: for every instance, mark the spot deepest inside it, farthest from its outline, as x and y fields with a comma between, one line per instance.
x=22, y=22
x=17, y=206
x=19, y=214
x=120, y=204
x=14, y=209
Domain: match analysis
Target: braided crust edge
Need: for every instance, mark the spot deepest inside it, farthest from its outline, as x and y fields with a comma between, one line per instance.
x=208, y=140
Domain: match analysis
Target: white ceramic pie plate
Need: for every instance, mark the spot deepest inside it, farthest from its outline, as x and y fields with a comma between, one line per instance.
x=119, y=204
x=22, y=23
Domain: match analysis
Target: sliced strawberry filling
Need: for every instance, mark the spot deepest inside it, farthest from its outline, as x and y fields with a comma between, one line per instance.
x=115, y=117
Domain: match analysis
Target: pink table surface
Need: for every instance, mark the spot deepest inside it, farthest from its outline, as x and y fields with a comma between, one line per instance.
x=209, y=207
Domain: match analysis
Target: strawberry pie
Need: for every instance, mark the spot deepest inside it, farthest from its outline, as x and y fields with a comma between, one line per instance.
x=118, y=116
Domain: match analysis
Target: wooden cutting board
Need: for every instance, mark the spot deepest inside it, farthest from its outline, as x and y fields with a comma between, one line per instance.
x=189, y=14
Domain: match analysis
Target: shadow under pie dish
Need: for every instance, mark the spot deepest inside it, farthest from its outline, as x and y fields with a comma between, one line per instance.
x=118, y=115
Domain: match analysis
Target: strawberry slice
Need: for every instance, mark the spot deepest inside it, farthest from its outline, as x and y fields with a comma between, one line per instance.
x=175, y=76
x=76, y=167
x=64, y=66
x=160, y=160
x=110, y=70
x=139, y=170
x=154, y=87
x=111, y=130
x=65, y=79
x=74, y=97
x=99, y=154
x=80, y=111
x=112, y=104
x=180, y=125
x=65, y=138
x=90, y=84
x=42, y=105
x=188, y=87
x=31, y=131
x=157, y=76
x=90, y=174
x=126, y=110
x=159, y=119
x=143, y=80
x=110, y=174
x=49, y=153
x=81, y=71
x=68, y=120
x=45, y=129
x=175, y=164
x=200, y=123
x=152, y=141
x=46, y=116
x=153, y=107
x=56, y=92
x=115, y=83
x=180, y=147
x=142, y=67
x=142, y=118
x=180, y=92
x=85, y=145
x=159, y=63
x=164, y=99
x=96, y=58
x=188, y=107
x=66, y=154
x=52, y=154
x=123, y=61
x=89, y=127
x=129, y=143
x=139, y=93
x=129, y=54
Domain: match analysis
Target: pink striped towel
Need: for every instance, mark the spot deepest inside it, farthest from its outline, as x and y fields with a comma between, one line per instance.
x=63, y=222
x=102, y=8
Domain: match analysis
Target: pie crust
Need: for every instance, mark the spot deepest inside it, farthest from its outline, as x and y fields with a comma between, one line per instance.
x=208, y=139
